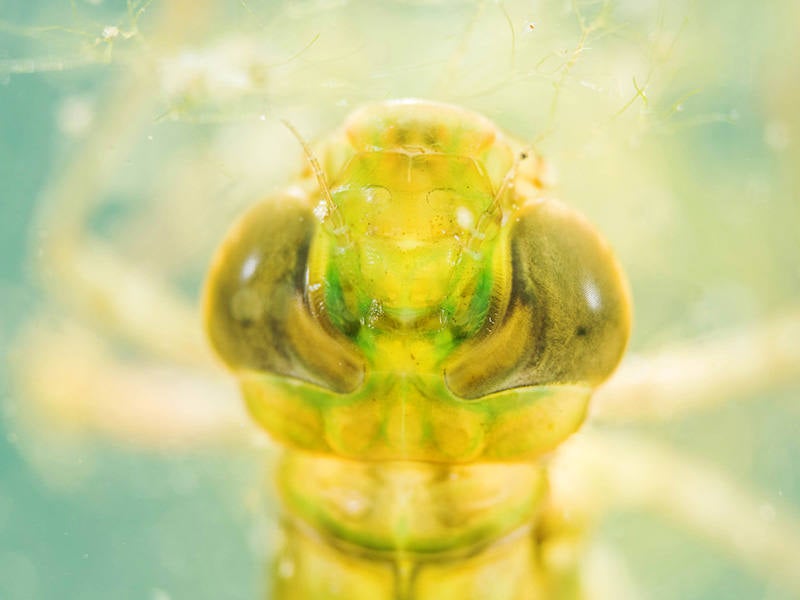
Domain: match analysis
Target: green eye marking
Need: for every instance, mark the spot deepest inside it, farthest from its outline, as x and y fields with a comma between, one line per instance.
x=466, y=318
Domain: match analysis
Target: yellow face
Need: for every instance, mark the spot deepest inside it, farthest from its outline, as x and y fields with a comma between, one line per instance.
x=428, y=303
x=409, y=216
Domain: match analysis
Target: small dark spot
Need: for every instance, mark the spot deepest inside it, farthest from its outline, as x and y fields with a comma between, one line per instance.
x=581, y=331
x=523, y=155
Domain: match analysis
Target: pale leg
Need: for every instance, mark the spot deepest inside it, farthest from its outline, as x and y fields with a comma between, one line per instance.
x=704, y=373
x=595, y=472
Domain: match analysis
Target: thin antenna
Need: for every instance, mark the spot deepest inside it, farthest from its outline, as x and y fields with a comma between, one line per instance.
x=494, y=211
x=331, y=211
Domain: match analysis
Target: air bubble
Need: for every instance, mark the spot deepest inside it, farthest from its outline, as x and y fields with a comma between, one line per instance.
x=110, y=32
x=465, y=218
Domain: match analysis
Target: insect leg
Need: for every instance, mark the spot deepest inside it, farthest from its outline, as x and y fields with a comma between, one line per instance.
x=88, y=273
x=68, y=381
x=595, y=472
x=698, y=375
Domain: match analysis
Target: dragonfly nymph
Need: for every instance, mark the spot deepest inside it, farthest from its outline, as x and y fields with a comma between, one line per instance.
x=419, y=324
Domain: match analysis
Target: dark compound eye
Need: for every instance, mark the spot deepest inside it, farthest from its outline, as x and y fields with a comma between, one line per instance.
x=567, y=315
x=255, y=310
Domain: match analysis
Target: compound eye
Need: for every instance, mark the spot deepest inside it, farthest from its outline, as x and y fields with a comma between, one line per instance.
x=567, y=318
x=254, y=302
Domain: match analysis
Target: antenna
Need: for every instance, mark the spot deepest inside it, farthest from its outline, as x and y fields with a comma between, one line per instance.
x=331, y=211
x=494, y=211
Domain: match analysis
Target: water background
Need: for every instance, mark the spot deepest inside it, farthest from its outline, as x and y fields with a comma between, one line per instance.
x=694, y=182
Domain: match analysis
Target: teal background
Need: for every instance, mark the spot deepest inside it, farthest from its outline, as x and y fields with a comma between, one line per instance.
x=697, y=189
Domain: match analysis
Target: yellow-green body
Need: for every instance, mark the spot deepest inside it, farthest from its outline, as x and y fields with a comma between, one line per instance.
x=419, y=324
